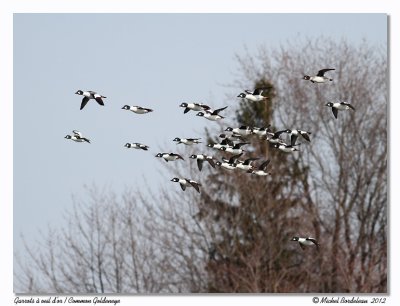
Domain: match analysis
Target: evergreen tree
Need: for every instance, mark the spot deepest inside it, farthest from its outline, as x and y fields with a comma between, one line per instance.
x=252, y=226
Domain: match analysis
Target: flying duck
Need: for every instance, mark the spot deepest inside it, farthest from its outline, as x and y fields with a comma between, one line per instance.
x=136, y=145
x=137, y=109
x=246, y=164
x=261, y=170
x=319, y=78
x=339, y=106
x=295, y=133
x=187, y=141
x=230, y=164
x=212, y=115
x=184, y=182
x=275, y=137
x=87, y=95
x=225, y=143
x=195, y=107
x=243, y=130
x=306, y=241
x=236, y=149
x=169, y=156
x=201, y=158
x=77, y=137
x=255, y=96
x=285, y=147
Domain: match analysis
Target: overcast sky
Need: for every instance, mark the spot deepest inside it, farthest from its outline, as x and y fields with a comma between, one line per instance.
x=152, y=60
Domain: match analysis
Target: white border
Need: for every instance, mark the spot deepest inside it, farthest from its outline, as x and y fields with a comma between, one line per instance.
x=7, y=8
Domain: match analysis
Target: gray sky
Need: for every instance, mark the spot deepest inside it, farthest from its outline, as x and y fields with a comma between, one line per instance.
x=152, y=60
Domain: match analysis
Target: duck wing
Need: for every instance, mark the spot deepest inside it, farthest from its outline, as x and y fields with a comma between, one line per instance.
x=84, y=102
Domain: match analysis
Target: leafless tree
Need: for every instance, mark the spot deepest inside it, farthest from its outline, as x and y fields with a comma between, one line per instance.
x=115, y=244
